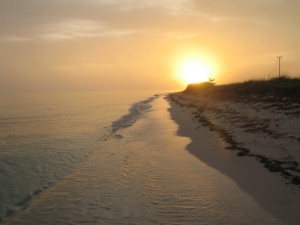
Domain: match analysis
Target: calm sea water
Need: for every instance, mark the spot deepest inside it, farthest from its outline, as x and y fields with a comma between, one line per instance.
x=43, y=136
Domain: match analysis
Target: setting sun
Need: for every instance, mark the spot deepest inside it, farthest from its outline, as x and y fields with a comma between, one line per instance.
x=194, y=72
x=195, y=66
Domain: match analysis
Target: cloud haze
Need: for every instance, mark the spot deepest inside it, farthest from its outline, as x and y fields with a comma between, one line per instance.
x=97, y=44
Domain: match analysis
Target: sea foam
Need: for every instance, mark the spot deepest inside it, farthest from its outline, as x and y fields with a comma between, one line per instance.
x=134, y=113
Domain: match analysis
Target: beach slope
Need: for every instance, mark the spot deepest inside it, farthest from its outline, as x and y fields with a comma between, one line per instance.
x=260, y=140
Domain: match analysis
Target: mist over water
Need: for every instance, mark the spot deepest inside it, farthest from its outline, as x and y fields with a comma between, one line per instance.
x=43, y=136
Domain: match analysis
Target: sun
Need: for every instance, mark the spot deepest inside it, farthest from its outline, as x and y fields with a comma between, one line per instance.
x=195, y=67
x=195, y=71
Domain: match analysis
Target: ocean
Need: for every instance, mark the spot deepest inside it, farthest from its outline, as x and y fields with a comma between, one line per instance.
x=109, y=158
x=44, y=136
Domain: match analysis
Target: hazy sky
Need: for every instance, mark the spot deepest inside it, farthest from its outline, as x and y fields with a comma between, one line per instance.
x=123, y=44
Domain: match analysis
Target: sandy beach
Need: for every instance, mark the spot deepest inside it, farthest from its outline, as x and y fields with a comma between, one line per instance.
x=260, y=142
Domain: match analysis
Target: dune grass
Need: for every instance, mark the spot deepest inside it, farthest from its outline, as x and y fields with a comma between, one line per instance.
x=277, y=87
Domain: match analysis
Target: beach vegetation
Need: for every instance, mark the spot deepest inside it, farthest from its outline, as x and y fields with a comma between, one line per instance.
x=283, y=86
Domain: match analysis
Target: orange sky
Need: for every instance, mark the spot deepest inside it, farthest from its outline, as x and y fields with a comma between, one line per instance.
x=134, y=44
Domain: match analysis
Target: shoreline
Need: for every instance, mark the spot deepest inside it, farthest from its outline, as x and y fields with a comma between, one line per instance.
x=249, y=156
x=147, y=177
x=171, y=176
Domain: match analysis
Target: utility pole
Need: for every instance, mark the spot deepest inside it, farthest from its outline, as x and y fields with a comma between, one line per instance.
x=279, y=58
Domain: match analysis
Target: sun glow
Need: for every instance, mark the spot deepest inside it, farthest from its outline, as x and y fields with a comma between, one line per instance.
x=195, y=71
x=195, y=67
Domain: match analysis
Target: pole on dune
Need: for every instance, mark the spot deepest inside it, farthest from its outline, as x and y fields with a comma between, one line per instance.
x=279, y=58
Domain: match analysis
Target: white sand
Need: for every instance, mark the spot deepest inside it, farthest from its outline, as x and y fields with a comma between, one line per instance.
x=263, y=131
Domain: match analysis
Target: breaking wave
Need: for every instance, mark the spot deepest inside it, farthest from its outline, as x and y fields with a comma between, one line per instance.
x=134, y=113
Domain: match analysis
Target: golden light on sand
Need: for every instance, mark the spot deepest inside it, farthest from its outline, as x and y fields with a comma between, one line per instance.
x=195, y=71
